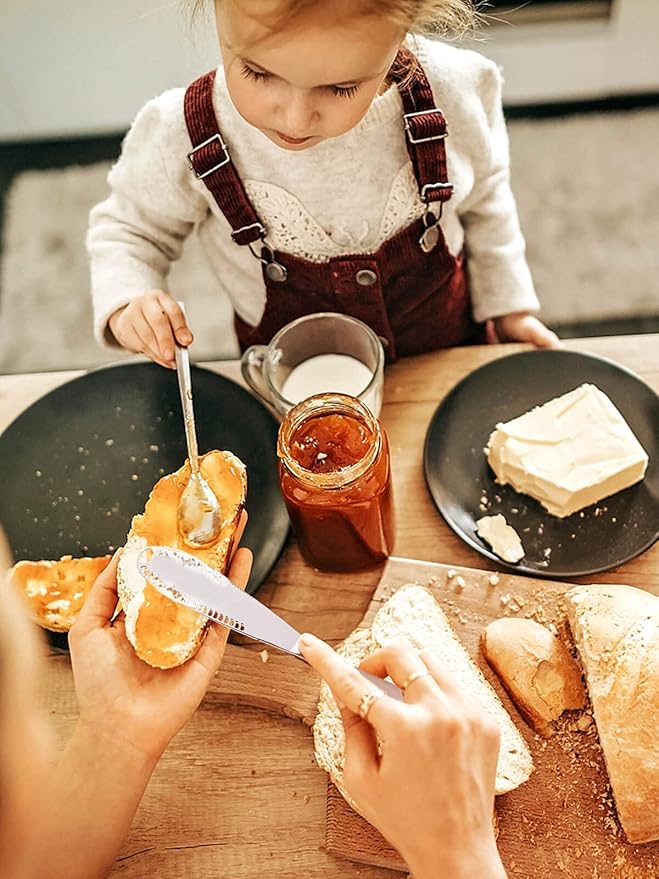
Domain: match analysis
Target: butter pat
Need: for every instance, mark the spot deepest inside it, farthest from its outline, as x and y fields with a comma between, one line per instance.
x=568, y=453
x=501, y=536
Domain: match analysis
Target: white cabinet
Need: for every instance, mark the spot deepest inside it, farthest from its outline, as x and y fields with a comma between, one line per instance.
x=75, y=67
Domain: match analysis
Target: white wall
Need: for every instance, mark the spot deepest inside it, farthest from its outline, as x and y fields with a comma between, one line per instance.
x=70, y=67
x=75, y=67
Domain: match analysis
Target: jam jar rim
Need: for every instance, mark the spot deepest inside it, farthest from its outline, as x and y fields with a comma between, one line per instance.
x=342, y=404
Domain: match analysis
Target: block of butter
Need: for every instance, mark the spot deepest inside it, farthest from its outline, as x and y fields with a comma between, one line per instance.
x=568, y=453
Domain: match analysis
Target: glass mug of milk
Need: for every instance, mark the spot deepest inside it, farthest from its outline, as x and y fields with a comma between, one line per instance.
x=315, y=354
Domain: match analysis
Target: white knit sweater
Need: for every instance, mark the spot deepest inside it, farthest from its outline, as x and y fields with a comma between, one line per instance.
x=344, y=195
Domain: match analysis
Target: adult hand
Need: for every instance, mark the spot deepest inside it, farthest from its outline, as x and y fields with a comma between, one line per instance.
x=151, y=324
x=524, y=327
x=431, y=790
x=120, y=695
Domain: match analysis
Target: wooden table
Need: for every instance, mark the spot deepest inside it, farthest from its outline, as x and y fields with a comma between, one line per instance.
x=238, y=793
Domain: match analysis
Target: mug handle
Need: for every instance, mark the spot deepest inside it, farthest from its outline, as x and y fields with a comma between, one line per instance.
x=251, y=366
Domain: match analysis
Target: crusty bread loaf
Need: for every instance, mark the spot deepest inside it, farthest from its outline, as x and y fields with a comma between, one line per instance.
x=164, y=633
x=536, y=668
x=412, y=612
x=616, y=630
x=56, y=590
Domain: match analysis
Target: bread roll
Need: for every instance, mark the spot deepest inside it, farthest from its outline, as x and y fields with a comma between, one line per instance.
x=412, y=612
x=536, y=668
x=163, y=633
x=616, y=629
x=56, y=590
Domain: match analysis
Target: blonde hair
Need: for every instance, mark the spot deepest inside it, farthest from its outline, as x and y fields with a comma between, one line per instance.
x=437, y=18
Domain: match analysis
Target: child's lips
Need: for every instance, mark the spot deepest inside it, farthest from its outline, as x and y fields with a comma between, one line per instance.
x=292, y=140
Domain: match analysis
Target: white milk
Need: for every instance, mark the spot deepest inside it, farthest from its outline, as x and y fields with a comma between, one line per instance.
x=331, y=372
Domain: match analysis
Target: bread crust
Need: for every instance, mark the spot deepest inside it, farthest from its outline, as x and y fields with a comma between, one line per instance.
x=55, y=591
x=165, y=634
x=537, y=670
x=616, y=630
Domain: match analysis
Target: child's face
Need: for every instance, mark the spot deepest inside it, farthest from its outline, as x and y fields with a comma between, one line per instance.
x=313, y=80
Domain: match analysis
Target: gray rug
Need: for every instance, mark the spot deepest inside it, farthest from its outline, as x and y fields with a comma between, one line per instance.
x=587, y=189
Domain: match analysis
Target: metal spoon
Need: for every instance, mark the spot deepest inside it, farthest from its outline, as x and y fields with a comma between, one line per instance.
x=199, y=516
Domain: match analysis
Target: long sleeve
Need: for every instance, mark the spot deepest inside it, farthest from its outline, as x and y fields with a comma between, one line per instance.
x=500, y=278
x=137, y=232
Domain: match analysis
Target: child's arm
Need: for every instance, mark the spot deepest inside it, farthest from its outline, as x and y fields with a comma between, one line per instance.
x=139, y=230
x=501, y=285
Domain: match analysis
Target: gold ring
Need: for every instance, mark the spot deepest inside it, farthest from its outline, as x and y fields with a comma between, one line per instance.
x=368, y=700
x=414, y=677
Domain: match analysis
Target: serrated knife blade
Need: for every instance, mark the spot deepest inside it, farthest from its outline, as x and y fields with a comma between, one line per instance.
x=187, y=580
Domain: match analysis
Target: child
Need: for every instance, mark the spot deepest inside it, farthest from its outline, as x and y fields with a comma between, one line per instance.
x=322, y=176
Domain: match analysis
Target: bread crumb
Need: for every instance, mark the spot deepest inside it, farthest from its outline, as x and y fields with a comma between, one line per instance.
x=493, y=579
x=451, y=573
x=460, y=582
x=265, y=656
x=584, y=721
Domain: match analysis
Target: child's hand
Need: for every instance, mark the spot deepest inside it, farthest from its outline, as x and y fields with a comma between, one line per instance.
x=151, y=324
x=524, y=327
x=122, y=698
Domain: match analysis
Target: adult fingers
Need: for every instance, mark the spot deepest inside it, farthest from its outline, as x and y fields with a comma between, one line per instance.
x=448, y=683
x=402, y=663
x=361, y=758
x=101, y=601
x=240, y=530
x=176, y=318
x=349, y=687
x=241, y=567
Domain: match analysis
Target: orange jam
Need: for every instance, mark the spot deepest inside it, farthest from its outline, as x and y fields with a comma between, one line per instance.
x=335, y=476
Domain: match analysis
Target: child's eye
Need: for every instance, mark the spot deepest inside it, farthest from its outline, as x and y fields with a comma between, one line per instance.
x=256, y=75
x=345, y=91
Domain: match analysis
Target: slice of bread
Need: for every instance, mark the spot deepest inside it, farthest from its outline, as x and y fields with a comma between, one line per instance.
x=56, y=590
x=536, y=668
x=163, y=633
x=413, y=613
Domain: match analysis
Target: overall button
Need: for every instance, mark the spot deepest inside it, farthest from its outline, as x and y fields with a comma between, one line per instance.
x=366, y=277
x=276, y=272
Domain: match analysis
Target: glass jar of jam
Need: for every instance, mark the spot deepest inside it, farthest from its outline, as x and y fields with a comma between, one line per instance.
x=335, y=475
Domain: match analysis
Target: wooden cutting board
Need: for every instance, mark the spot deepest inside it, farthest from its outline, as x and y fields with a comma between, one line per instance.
x=560, y=824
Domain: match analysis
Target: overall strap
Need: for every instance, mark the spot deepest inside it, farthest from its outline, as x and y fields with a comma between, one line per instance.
x=210, y=161
x=425, y=128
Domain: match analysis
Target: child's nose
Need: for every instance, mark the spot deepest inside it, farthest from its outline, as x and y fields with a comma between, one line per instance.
x=300, y=115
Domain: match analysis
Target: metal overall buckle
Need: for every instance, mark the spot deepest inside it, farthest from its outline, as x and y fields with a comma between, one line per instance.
x=430, y=236
x=225, y=161
x=274, y=270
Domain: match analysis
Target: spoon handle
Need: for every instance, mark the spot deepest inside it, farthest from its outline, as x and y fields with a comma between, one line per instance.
x=185, y=391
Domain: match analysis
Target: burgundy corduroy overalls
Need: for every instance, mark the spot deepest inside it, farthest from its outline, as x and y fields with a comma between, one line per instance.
x=412, y=292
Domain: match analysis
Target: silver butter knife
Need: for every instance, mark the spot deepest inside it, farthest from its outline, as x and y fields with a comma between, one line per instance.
x=188, y=581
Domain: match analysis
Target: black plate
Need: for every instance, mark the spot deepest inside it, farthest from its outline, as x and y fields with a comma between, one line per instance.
x=80, y=462
x=599, y=537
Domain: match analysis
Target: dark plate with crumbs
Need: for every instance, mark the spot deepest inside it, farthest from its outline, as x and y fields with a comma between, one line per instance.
x=463, y=486
x=78, y=464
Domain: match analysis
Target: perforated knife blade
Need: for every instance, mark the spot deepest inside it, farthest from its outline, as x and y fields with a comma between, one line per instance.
x=187, y=580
